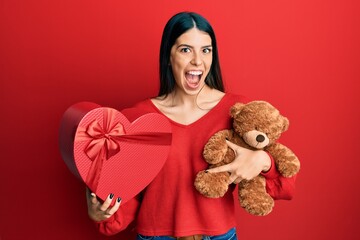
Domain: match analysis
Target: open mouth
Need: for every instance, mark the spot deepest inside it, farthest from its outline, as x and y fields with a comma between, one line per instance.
x=193, y=78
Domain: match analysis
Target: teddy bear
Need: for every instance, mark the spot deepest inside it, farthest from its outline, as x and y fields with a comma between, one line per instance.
x=256, y=125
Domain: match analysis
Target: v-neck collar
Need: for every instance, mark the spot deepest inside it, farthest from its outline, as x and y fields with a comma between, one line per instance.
x=199, y=120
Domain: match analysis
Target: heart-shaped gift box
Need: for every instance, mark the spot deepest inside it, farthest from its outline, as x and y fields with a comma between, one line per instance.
x=111, y=154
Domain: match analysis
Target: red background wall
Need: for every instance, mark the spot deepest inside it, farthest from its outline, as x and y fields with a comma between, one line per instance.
x=303, y=56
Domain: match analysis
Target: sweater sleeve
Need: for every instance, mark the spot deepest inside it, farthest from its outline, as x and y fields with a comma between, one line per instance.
x=277, y=186
x=121, y=219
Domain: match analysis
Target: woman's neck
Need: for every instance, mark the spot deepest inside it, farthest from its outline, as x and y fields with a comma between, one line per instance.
x=184, y=108
x=180, y=98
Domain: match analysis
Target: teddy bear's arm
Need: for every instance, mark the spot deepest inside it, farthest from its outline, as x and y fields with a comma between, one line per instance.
x=216, y=148
x=285, y=160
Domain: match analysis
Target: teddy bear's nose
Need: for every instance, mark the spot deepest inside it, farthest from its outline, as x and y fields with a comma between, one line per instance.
x=260, y=138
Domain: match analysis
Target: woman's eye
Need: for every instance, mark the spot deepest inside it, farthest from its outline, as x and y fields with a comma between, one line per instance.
x=185, y=50
x=206, y=50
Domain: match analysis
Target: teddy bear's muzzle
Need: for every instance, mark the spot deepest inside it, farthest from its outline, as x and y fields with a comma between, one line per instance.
x=256, y=139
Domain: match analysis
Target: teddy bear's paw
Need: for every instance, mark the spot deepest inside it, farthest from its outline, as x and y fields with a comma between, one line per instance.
x=214, y=153
x=254, y=198
x=289, y=169
x=258, y=207
x=212, y=185
x=214, y=156
x=216, y=148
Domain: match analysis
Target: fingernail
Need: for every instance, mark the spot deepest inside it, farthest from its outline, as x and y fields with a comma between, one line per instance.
x=93, y=194
x=206, y=171
x=118, y=199
x=111, y=196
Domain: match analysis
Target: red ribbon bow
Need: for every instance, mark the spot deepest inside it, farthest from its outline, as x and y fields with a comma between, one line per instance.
x=103, y=144
x=103, y=138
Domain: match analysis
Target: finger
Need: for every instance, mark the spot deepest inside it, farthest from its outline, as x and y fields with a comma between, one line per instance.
x=115, y=207
x=93, y=198
x=107, y=202
x=237, y=180
x=224, y=168
x=232, y=178
x=232, y=145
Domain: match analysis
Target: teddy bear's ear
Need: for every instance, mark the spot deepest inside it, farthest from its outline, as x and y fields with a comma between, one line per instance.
x=285, y=124
x=236, y=109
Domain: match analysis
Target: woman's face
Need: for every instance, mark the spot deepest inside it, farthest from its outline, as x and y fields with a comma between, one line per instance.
x=190, y=59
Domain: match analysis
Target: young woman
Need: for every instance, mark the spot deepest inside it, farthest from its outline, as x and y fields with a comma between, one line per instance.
x=192, y=97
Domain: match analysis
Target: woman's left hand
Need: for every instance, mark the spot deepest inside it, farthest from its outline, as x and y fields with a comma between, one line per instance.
x=246, y=165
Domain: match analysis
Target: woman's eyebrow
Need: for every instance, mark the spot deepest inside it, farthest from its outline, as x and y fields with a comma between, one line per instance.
x=189, y=46
x=185, y=45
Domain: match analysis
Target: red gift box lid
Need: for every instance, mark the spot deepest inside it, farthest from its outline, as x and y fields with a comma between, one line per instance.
x=110, y=154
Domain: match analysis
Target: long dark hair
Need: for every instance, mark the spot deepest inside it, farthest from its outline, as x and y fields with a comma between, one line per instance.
x=176, y=26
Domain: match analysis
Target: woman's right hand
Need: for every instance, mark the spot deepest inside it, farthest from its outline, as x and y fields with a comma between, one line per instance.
x=99, y=211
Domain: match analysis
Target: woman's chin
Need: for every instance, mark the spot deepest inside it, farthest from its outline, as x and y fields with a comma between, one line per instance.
x=192, y=86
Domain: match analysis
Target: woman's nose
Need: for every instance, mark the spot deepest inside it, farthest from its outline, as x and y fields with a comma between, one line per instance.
x=196, y=60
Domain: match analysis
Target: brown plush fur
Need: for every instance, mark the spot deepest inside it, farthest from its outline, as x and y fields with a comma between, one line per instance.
x=256, y=125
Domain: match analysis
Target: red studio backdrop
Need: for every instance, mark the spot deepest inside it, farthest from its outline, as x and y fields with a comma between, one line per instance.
x=301, y=55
